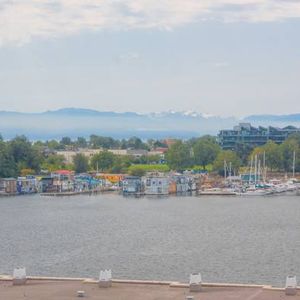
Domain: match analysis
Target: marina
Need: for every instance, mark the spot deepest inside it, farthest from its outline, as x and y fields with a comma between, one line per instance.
x=67, y=183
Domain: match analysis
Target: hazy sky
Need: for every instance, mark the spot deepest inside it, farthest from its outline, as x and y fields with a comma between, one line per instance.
x=224, y=57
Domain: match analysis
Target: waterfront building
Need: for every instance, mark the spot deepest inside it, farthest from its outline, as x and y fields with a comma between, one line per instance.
x=27, y=184
x=156, y=185
x=181, y=184
x=70, y=154
x=89, y=153
x=8, y=186
x=86, y=182
x=46, y=184
x=63, y=180
x=244, y=133
x=111, y=178
x=132, y=185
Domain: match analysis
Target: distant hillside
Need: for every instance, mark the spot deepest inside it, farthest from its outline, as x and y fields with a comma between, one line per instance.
x=293, y=118
x=76, y=122
x=83, y=122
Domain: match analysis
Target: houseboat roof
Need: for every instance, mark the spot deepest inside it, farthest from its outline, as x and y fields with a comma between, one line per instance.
x=63, y=172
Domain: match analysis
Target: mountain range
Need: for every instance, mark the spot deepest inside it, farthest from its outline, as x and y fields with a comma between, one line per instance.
x=76, y=122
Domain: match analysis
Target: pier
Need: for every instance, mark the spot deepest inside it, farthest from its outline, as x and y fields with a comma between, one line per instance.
x=47, y=288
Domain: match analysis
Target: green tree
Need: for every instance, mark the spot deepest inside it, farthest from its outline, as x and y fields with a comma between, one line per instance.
x=81, y=163
x=273, y=155
x=179, y=156
x=136, y=143
x=103, y=142
x=53, y=162
x=295, y=137
x=81, y=142
x=8, y=167
x=205, y=151
x=24, y=154
x=287, y=151
x=54, y=145
x=137, y=171
x=66, y=141
x=121, y=164
x=229, y=157
x=243, y=150
x=103, y=160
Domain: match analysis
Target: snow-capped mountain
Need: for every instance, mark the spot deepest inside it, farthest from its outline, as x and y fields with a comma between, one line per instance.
x=76, y=122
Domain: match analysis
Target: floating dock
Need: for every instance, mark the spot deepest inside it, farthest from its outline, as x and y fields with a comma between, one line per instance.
x=47, y=288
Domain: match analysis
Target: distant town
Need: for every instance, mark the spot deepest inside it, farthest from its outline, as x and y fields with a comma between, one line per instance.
x=243, y=160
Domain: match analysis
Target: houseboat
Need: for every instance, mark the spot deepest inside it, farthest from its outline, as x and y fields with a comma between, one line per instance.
x=8, y=186
x=132, y=185
x=27, y=185
x=156, y=185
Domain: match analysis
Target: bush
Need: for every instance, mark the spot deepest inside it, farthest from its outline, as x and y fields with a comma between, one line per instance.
x=140, y=170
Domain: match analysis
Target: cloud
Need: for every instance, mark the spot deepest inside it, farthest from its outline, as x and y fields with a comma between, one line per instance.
x=22, y=20
x=221, y=64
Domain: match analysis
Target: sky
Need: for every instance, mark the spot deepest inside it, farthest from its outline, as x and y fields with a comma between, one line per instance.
x=219, y=57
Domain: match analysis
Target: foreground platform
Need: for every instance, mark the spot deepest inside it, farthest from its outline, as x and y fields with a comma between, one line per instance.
x=66, y=289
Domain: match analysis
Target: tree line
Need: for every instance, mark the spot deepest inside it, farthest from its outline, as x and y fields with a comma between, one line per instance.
x=205, y=151
x=20, y=156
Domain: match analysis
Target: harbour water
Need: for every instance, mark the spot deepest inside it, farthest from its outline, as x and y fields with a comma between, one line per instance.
x=227, y=239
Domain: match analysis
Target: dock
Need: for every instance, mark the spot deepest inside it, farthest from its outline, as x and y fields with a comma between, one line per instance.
x=47, y=288
x=74, y=193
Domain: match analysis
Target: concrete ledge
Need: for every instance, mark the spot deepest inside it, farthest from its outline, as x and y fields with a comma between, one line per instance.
x=55, y=278
x=5, y=278
x=149, y=282
x=236, y=285
x=172, y=284
x=179, y=285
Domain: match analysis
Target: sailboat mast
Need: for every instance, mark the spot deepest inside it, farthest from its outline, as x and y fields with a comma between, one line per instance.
x=255, y=169
x=259, y=171
x=294, y=163
x=250, y=175
x=264, y=167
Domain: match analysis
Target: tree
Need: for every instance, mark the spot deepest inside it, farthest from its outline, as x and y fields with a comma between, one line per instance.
x=179, y=156
x=121, y=164
x=103, y=160
x=229, y=157
x=8, y=166
x=65, y=141
x=103, y=142
x=295, y=137
x=24, y=154
x=243, y=150
x=81, y=142
x=273, y=155
x=287, y=151
x=53, y=162
x=81, y=163
x=136, y=143
x=205, y=151
x=159, y=144
x=54, y=145
x=137, y=171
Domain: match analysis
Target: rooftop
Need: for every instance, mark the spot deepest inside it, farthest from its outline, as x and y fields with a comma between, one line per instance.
x=59, y=289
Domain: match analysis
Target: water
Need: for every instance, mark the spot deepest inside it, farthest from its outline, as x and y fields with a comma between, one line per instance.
x=227, y=239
